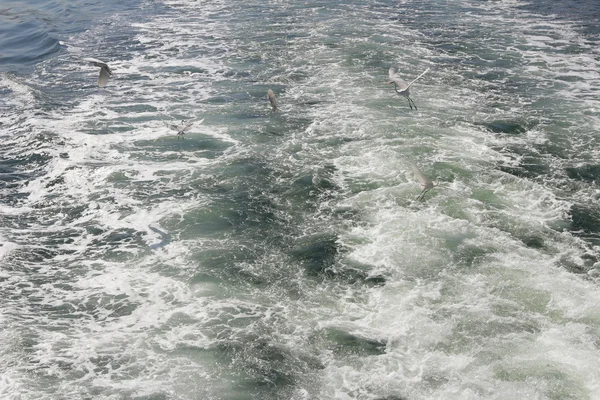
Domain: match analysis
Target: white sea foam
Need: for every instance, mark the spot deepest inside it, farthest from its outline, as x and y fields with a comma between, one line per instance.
x=23, y=95
x=413, y=246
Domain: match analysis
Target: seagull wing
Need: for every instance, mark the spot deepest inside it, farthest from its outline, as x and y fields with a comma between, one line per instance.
x=413, y=81
x=426, y=183
x=104, y=75
x=96, y=62
x=272, y=99
x=105, y=71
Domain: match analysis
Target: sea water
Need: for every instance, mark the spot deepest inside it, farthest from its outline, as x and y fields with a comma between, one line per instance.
x=282, y=255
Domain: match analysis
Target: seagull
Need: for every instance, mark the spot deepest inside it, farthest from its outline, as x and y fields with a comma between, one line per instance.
x=426, y=183
x=105, y=71
x=181, y=129
x=165, y=238
x=404, y=87
x=272, y=99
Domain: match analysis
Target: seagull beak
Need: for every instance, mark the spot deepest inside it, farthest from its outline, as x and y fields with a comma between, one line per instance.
x=389, y=83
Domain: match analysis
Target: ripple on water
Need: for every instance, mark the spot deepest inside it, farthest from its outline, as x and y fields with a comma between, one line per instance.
x=317, y=254
x=528, y=162
x=586, y=173
x=506, y=126
x=585, y=222
x=24, y=43
x=528, y=167
x=348, y=344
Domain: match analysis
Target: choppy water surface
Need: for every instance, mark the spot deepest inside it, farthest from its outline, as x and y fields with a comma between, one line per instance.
x=282, y=255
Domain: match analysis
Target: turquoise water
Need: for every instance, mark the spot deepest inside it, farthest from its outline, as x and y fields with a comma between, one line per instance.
x=283, y=255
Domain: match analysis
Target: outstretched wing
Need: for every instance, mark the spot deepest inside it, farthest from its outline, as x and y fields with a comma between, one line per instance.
x=272, y=99
x=103, y=77
x=413, y=81
x=184, y=126
x=426, y=183
x=96, y=62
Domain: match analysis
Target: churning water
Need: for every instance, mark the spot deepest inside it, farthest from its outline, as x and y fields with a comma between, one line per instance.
x=283, y=255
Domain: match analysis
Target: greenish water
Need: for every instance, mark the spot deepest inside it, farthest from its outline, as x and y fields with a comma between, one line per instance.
x=283, y=255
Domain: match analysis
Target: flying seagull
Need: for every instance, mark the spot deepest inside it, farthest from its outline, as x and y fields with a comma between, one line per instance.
x=105, y=71
x=272, y=99
x=181, y=129
x=165, y=238
x=404, y=87
x=426, y=183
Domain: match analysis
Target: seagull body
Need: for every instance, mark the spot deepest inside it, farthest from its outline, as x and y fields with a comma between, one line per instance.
x=105, y=71
x=272, y=99
x=401, y=87
x=426, y=183
x=181, y=129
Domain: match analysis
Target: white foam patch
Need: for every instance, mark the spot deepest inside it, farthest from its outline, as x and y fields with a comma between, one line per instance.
x=6, y=247
x=465, y=346
x=23, y=95
x=9, y=388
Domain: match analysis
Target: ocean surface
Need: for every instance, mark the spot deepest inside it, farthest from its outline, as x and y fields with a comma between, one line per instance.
x=283, y=255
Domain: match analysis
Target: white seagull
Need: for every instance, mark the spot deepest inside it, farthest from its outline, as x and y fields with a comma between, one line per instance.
x=165, y=238
x=105, y=71
x=404, y=87
x=181, y=129
x=426, y=183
